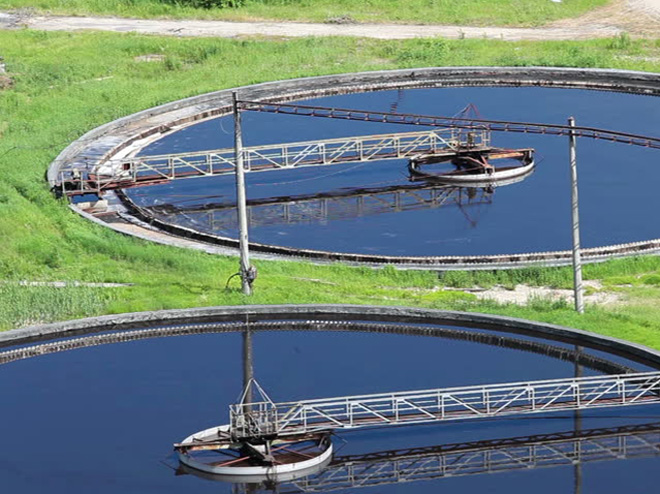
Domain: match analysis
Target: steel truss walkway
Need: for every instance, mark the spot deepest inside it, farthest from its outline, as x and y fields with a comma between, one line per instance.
x=146, y=170
x=483, y=457
x=450, y=134
x=268, y=419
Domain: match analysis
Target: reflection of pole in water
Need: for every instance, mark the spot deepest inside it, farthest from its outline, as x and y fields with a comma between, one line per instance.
x=248, y=369
x=577, y=418
x=471, y=193
x=394, y=107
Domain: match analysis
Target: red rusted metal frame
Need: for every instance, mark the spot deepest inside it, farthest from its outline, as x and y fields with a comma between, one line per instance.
x=450, y=122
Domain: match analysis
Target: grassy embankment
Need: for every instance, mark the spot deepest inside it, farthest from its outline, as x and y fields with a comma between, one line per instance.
x=64, y=84
x=456, y=12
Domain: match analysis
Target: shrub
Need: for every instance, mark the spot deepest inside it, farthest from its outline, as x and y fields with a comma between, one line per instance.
x=651, y=279
x=620, y=42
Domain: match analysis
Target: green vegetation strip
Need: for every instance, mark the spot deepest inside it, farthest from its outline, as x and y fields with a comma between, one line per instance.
x=448, y=12
x=60, y=85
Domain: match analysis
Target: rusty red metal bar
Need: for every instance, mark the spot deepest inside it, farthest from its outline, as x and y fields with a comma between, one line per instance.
x=451, y=122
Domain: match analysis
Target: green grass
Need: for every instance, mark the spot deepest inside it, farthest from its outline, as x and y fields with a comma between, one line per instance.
x=68, y=83
x=27, y=305
x=456, y=12
x=630, y=271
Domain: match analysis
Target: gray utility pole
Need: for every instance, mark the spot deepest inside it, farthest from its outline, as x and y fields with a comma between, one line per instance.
x=241, y=201
x=248, y=368
x=577, y=261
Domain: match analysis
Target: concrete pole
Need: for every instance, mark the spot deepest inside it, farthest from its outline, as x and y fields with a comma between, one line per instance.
x=248, y=368
x=577, y=261
x=241, y=200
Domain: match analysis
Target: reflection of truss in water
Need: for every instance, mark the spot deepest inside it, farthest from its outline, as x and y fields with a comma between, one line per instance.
x=321, y=208
x=475, y=458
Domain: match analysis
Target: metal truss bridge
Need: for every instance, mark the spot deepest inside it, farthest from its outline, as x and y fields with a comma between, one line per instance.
x=146, y=170
x=269, y=419
x=324, y=207
x=482, y=457
x=450, y=135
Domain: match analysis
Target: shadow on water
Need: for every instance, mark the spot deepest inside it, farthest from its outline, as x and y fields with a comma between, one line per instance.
x=330, y=206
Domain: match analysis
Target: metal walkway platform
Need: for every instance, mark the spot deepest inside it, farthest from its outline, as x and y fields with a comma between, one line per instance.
x=146, y=170
x=451, y=136
x=269, y=419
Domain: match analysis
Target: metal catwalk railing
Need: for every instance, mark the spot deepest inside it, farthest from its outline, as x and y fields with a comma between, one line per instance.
x=152, y=169
x=267, y=418
x=483, y=457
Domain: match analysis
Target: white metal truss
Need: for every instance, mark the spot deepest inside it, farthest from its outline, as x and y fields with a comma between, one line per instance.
x=412, y=407
x=478, y=459
x=150, y=169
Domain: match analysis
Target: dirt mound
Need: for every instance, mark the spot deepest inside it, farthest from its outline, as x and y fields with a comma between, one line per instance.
x=636, y=17
x=5, y=82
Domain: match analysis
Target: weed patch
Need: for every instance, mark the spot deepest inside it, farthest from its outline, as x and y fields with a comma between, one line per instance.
x=27, y=305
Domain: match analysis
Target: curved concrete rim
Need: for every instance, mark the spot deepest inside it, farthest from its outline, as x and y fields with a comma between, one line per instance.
x=255, y=313
x=128, y=134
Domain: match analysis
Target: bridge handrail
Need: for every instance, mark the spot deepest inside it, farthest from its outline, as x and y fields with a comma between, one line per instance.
x=127, y=171
x=458, y=389
x=335, y=140
x=280, y=145
x=299, y=417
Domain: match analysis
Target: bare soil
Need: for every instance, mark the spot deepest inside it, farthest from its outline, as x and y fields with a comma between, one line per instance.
x=5, y=82
x=524, y=294
x=640, y=18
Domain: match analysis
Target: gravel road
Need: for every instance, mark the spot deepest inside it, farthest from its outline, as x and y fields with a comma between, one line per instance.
x=636, y=17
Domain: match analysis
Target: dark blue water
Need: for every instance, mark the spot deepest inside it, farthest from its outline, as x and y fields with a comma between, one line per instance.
x=618, y=183
x=104, y=419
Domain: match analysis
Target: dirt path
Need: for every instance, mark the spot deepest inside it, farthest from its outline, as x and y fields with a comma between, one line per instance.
x=636, y=17
x=524, y=294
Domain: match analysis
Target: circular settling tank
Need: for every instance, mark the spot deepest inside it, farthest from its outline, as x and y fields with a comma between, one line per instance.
x=105, y=416
x=372, y=208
